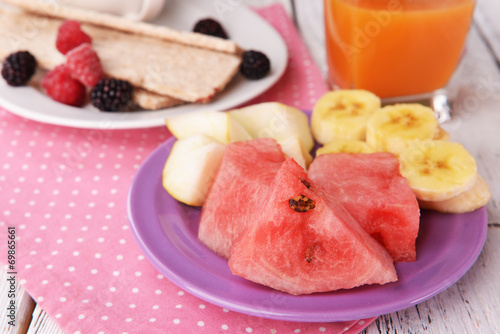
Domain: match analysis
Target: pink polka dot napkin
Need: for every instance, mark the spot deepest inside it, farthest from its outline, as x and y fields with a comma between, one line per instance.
x=65, y=190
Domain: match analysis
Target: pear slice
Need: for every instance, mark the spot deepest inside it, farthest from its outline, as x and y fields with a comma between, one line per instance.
x=191, y=168
x=292, y=148
x=216, y=124
x=275, y=120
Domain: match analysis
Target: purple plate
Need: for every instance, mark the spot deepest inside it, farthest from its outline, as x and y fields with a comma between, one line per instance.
x=166, y=231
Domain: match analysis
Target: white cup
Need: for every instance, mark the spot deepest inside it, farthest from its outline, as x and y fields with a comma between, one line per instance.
x=138, y=10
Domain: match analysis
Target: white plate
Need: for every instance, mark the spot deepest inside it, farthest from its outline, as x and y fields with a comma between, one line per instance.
x=243, y=26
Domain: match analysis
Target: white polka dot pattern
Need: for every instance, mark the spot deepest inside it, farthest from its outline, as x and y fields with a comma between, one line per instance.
x=65, y=190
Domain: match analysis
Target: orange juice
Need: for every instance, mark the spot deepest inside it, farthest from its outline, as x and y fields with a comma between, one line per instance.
x=395, y=47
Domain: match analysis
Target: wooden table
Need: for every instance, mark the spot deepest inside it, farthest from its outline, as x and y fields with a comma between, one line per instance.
x=472, y=305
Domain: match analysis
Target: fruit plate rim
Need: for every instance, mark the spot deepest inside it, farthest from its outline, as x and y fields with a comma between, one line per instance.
x=31, y=103
x=165, y=230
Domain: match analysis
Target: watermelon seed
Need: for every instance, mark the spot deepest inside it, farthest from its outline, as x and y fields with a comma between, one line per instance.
x=306, y=183
x=301, y=203
x=310, y=252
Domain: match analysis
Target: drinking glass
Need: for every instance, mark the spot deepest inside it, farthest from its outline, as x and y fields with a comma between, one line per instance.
x=401, y=50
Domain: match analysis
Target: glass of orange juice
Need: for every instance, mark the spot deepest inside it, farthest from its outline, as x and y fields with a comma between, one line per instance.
x=395, y=48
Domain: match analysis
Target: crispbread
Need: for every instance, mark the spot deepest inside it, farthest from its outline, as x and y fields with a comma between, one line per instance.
x=35, y=34
x=166, y=68
x=55, y=9
x=170, y=69
x=152, y=101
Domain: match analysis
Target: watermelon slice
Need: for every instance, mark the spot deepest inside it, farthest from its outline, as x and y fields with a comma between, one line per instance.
x=240, y=188
x=301, y=243
x=372, y=189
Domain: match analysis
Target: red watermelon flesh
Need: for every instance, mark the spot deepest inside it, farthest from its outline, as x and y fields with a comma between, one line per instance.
x=372, y=189
x=320, y=249
x=240, y=187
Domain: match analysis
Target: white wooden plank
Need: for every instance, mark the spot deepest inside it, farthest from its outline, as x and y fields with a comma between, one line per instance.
x=486, y=18
x=24, y=305
x=475, y=119
x=472, y=305
x=43, y=324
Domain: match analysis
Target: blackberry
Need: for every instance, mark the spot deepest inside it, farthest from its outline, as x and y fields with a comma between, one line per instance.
x=18, y=68
x=210, y=27
x=111, y=94
x=255, y=65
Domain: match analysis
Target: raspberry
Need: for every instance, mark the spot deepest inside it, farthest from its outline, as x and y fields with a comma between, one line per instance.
x=111, y=94
x=61, y=87
x=18, y=68
x=255, y=65
x=70, y=35
x=210, y=27
x=84, y=64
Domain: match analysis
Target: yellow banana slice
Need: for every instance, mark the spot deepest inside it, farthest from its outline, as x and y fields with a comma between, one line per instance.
x=437, y=170
x=393, y=127
x=441, y=134
x=345, y=146
x=343, y=114
x=477, y=196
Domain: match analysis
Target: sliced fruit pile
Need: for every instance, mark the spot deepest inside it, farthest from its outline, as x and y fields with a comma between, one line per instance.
x=277, y=227
x=442, y=174
x=339, y=221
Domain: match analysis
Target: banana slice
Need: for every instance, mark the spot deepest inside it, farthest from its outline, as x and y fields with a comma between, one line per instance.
x=441, y=134
x=394, y=127
x=438, y=170
x=343, y=114
x=477, y=196
x=345, y=146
